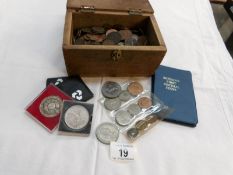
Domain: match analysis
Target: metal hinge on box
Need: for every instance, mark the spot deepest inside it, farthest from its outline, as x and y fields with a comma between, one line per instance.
x=135, y=11
x=88, y=9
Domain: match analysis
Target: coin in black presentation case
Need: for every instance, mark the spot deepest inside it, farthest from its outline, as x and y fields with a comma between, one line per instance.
x=76, y=118
x=72, y=86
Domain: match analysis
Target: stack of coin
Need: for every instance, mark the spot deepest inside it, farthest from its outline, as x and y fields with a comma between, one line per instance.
x=115, y=96
x=109, y=35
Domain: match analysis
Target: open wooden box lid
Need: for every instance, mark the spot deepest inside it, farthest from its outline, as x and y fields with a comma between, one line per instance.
x=131, y=6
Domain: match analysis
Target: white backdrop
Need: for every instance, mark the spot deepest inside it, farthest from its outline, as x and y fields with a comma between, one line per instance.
x=31, y=34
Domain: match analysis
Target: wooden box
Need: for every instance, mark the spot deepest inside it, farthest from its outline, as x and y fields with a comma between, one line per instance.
x=108, y=60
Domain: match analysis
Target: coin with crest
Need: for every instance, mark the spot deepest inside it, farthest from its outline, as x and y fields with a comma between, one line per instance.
x=50, y=106
x=111, y=89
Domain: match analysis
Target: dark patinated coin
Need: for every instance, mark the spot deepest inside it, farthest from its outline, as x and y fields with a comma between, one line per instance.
x=98, y=30
x=112, y=104
x=110, y=31
x=141, y=124
x=111, y=89
x=132, y=133
x=114, y=36
x=79, y=41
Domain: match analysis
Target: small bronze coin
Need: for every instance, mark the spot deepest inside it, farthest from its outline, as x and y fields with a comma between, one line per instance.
x=135, y=88
x=151, y=119
x=132, y=133
x=145, y=102
x=125, y=34
x=141, y=125
x=115, y=37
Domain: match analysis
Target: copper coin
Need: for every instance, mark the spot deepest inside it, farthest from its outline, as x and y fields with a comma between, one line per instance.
x=151, y=119
x=141, y=124
x=110, y=31
x=125, y=34
x=135, y=88
x=145, y=102
x=114, y=36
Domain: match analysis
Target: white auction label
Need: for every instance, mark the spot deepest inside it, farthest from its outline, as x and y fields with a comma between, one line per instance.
x=122, y=151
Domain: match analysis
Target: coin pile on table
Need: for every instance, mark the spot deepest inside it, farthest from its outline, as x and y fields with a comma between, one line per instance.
x=109, y=35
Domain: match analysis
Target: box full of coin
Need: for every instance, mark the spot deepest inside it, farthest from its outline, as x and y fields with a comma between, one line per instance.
x=111, y=38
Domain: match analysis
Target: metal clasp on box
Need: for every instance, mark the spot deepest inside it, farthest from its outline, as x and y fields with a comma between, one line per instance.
x=116, y=55
x=89, y=9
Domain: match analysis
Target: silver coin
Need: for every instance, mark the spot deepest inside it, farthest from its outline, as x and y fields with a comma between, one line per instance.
x=76, y=117
x=134, y=109
x=132, y=133
x=111, y=89
x=50, y=106
x=107, y=132
x=123, y=118
x=124, y=95
x=112, y=104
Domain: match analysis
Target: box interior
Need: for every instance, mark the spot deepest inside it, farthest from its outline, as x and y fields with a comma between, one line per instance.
x=80, y=20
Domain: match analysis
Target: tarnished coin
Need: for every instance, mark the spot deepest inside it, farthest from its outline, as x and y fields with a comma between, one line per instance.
x=124, y=96
x=151, y=119
x=50, y=106
x=98, y=30
x=141, y=124
x=108, y=42
x=132, y=133
x=110, y=31
x=145, y=102
x=135, y=88
x=112, y=104
x=76, y=117
x=130, y=42
x=123, y=118
x=134, y=36
x=86, y=30
x=107, y=132
x=125, y=34
x=134, y=109
x=114, y=36
x=111, y=89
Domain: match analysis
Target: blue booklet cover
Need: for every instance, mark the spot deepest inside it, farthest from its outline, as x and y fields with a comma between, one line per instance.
x=175, y=88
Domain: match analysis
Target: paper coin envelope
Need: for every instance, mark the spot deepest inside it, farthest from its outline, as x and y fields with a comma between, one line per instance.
x=73, y=86
x=47, y=106
x=76, y=118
